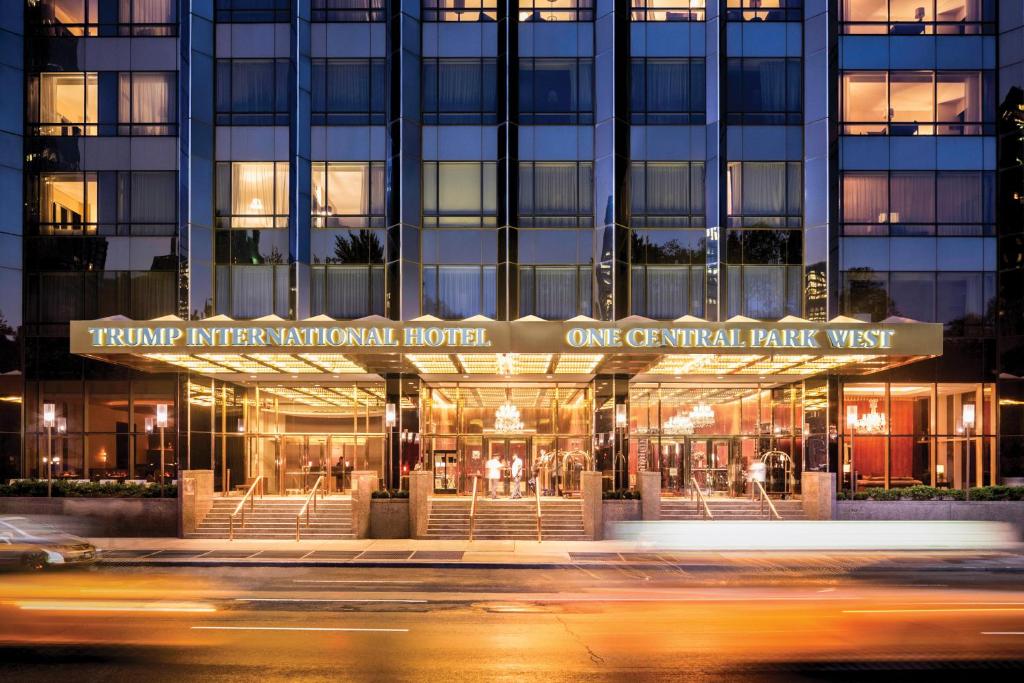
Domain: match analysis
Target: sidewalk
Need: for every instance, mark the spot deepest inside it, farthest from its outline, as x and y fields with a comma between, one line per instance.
x=529, y=555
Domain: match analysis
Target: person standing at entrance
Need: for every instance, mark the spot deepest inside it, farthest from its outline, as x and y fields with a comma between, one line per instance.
x=517, y=475
x=493, y=467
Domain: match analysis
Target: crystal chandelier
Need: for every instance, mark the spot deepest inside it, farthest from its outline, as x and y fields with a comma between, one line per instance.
x=871, y=422
x=702, y=415
x=678, y=424
x=506, y=418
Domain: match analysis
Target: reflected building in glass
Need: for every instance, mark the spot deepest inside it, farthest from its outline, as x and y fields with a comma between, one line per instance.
x=668, y=160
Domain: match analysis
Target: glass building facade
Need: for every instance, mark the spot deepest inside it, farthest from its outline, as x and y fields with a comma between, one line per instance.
x=238, y=159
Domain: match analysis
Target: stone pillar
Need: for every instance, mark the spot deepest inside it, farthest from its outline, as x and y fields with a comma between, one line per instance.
x=818, y=494
x=421, y=484
x=195, y=498
x=590, y=488
x=364, y=483
x=649, y=484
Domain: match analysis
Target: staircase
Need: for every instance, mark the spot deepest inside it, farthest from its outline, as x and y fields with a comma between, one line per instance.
x=274, y=518
x=728, y=509
x=506, y=520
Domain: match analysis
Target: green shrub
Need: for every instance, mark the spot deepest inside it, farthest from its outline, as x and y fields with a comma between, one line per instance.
x=860, y=495
x=922, y=492
x=36, y=488
x=390, y=494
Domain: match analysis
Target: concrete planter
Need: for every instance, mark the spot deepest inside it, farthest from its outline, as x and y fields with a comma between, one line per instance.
x=389, y=518
x=1011, y=511
x=613, y=511
x=100, y=517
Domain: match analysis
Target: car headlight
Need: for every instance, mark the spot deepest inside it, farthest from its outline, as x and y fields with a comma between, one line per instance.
x=53, y=557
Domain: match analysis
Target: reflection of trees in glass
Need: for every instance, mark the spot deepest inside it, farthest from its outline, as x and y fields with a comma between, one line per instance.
x=362, y=246
x=672, y=251
x=866, y=292
x=9, y=356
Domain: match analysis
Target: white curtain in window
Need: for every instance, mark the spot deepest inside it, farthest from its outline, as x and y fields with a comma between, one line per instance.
x=764, y=291
x=153, y=199
x=555, y=292
x=347, y=291
x=252, y=194
x=348, y=86
x=668, y=187
x=153, y=101
x=912, y=197
x=555, y=188
x=667, y=292
x=147, y=11
x=964, y=198
x=770, y=75
x=348, y=189
x=458, y=291
x=668, y=84
x=153, y=294
x=252, y=291
x=252, y=85
x=458, y=85
x=865, y=198
x=458, y=187
x=757, y=188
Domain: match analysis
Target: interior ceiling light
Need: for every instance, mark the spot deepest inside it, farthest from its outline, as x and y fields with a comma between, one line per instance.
x=871, y=422
x=506, y=418
x=577, y=363
x=678, y=424
x=702, y=415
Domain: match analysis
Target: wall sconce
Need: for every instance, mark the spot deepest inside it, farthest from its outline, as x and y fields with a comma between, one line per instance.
x=621, y=417
x=967, y=416
x=49, y=414
x=161, y=415
x=390, y=415
x=150, y=423
x=62, y=425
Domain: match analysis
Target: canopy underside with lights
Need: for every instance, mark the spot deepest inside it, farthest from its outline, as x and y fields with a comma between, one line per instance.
x=322, y=349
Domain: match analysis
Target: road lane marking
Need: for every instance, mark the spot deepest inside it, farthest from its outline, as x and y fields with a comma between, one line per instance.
x=109, y=606
x=949, y=609
x=1002, y=633
x=327, y=600
x=299, y=628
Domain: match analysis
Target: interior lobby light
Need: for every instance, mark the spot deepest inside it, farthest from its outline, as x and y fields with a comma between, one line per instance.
x=702, y=415
x=871, y=422
x=506, y=418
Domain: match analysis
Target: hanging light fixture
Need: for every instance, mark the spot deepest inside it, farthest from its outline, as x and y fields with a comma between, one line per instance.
x=506, y=364
x=871, y=422
x=678, y=424
x=506, y=418
x=702, y=415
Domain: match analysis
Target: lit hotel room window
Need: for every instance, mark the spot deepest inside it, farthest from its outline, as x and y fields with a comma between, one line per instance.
x=556, y=10
x=668, y=10
x=917, y=17
x=147, y=103
x=916, y=103
x=252, y=194
x=460, y=10
x=67, y=203
x=63, y=103
x=348, y=194
x=765, y=10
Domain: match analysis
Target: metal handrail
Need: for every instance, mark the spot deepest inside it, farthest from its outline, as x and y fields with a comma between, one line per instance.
x=763, y=495
x=536, y=490
x=472, y=508
x=705, y=510
x=317, y=487
x=257, y=483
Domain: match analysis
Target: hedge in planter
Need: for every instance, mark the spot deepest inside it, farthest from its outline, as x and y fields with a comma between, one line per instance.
x=390, y=494
x=74, y=489
x=980, y=493
x=621, y=494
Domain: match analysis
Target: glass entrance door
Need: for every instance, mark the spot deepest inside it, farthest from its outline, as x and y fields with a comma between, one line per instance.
x=505, y=451
x=305, y=459
x=673, y=468
x=709, y=463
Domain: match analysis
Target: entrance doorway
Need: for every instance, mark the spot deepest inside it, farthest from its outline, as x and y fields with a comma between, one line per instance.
x=505, y=449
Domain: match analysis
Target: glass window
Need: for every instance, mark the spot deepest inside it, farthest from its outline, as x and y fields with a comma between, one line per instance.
x=667, y=193
x=763, y=292
x=917, y=17
x=63, y=103
x=252, y=291
x=966, y=202
x=347, y=194
x=913, y=102
x=147, y=103
x=347, y=10
x=866, y=200
x=253, y=11
x=347, y=291
x=67, y=203
x=457, y=292
x=147, y=202
x=556, y=10
x=459, y=91
x=460, y=10
x=765, y=10
x=764, y=194
x=556, y=194
x=764, y=91
x=667, y=91
x=459, y=193
x=668, y=10
x=866, y=295
x=556, y=91
x=913, y=295
x=252, y=92
x=148, y=17
x=348, y=91
x=554, y=292
x=252, y=194
x=348, y=247
x=667, y=292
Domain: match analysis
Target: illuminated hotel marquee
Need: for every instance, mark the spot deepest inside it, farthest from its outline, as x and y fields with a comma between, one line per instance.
x=500, y=337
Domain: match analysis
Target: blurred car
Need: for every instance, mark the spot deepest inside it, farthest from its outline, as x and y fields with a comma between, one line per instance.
x=30, y=545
